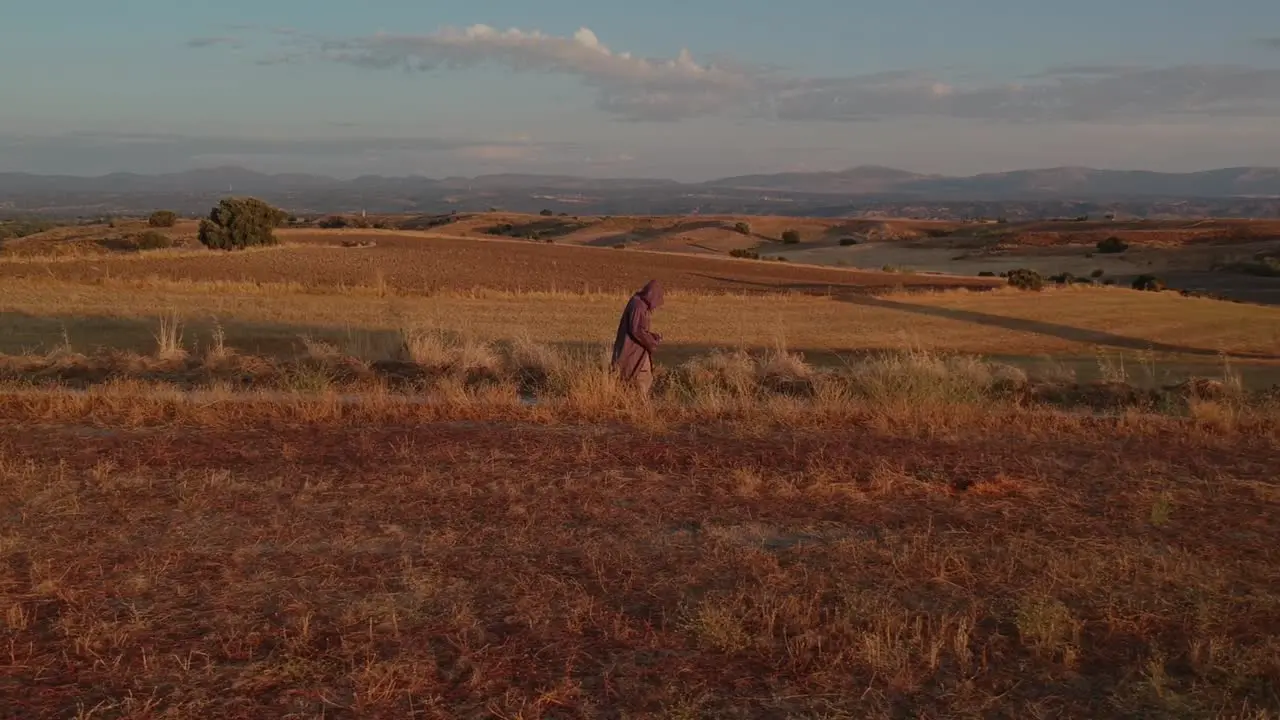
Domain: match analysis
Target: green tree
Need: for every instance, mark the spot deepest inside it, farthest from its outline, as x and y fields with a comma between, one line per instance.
x=163, y=219
x=791, y=237
x=237, y=223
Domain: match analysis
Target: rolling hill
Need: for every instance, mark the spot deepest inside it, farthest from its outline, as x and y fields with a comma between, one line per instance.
x=1242, y=192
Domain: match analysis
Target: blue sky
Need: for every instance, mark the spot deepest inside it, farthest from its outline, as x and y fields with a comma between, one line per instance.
x=661, y=88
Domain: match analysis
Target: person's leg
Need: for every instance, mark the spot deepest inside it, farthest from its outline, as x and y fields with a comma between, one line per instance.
x=644, y=377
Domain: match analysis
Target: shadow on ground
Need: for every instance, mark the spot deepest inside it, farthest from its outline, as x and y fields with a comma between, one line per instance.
x=26, y=334
x=1039, y=327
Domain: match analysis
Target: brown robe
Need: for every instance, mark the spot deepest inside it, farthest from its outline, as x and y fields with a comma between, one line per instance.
x=635, y=343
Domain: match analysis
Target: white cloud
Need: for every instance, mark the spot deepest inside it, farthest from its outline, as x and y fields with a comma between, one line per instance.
x=639, y=89
x=1103, y=94
x=632, y=87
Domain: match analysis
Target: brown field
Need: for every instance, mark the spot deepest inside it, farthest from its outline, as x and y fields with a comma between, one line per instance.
x=425, y=263
x=300, y=559
x=1200, y=255
x=717, y=230
x=400, y=482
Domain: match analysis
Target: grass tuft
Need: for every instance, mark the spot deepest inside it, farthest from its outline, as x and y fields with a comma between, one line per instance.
x=168, y=338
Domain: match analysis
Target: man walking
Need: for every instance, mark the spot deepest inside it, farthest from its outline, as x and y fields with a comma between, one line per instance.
x=634, y=347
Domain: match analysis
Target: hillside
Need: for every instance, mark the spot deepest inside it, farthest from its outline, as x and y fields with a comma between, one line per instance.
x=1023, y=194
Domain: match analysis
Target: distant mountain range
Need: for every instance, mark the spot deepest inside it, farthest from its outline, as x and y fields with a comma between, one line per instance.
x=866, y=188
x=1023, y=184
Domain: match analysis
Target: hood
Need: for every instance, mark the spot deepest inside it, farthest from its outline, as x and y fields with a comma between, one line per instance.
x=651, y=293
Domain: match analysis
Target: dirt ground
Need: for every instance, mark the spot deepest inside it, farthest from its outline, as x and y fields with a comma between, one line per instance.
x=258, y=567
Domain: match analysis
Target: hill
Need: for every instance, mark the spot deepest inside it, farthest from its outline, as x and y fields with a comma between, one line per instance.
x=867, y=190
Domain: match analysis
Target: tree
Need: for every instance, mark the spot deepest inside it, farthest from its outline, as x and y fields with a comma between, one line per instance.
x=742, y=228
x=1112, y=245
x=237, y=223
x=1024, y=279
x=546, y=213
x=791, y=237
x=1150, y=283
x=163, y=219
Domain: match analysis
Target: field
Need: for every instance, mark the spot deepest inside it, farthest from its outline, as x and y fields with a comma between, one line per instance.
x=1234, y=258
x=399, y=481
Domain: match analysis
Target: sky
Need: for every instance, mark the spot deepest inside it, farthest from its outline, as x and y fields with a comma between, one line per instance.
x=691, y=90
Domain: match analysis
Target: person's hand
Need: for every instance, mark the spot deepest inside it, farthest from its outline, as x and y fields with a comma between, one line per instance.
x=657, y=336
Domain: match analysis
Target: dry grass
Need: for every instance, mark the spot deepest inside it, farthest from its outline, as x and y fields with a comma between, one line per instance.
x=267, y=558
x=754, y=388
x=332, y=499
x=269, y=317
x=416, y=263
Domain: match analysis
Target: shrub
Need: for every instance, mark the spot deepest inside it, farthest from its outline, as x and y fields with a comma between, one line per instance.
x=1262, y=266
x=23, y=228
x=1065, y=278
x=546, y=213
x=1097, y=273
x=237, y=223
x=1112, y=245
x=152, y=240
x=1024, y=279
x=1150, y=283
x=986, y=273
x=163, y=219
x=747, y=254
x=333, y=222
x=847, y=241
x=791, y=237
x=742, y=228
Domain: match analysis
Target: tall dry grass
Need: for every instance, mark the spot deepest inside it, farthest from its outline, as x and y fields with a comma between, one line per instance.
x=168, y=337
x=470, y=372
